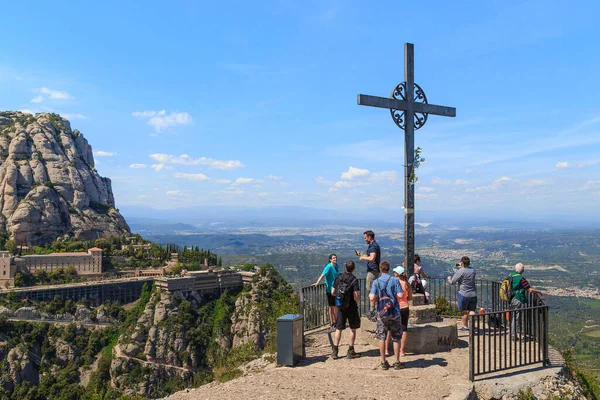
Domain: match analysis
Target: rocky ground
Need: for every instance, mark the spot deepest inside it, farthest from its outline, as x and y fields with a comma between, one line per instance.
x=430, y=376
x=319, y=377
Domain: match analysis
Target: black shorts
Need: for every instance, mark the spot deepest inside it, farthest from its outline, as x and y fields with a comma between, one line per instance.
x=404, y=314
x=350, y=315
x=331, y=300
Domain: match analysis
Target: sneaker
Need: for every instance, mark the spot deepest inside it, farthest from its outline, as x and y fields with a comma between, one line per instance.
x=334, y=353
x=352, y=353
x=398, y=365
x=385, y=366
x=402, y=354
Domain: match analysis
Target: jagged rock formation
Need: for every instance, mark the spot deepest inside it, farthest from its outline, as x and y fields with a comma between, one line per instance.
x=82, y=314
x=158, y=342
x=21, y=366
x=178, y=337
x=49, y=188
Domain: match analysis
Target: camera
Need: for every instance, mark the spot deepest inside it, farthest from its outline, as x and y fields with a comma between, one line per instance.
x=457, y=265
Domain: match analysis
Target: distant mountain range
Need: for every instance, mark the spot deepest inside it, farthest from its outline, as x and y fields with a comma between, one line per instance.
x=201, y=219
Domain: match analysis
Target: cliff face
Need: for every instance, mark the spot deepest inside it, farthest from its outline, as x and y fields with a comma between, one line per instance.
x=49, y=188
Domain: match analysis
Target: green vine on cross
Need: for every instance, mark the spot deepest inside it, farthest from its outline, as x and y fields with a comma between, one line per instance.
x=416, y=164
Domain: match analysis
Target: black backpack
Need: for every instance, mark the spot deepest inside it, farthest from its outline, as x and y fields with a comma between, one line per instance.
x=417, y=286
x=344, y=291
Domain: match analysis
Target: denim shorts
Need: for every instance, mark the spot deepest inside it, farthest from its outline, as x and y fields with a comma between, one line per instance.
x=467, y=303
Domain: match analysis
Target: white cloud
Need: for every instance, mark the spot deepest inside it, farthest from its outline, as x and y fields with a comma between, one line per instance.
x=348, y=178
x=245, y=181
x=55, y=94
x=502, y=179
x=426, y=196
x=353, y=173
x=385, y=176
x=591, y=185
x=138, y=166
x=74, y=116
x=534, y=183
x=223, y=181
x=101, y=153
x=322, y=181
x=160, y=120
x=191, y=177
x=426, y=189
x=46, y=94
x=176, y=193
x=494, y=186
x=184, y=159
x=461, y=182
x=440, y=181
x=277, y=180
x=160, y=167
x=563, y=164
x=342, y=184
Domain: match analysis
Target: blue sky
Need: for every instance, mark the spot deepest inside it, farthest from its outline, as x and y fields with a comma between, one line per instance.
x=254, y=103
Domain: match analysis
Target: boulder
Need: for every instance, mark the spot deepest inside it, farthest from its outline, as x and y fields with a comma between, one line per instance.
x=27, y=313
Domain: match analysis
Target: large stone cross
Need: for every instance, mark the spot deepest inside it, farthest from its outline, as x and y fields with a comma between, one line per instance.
x=409, y=108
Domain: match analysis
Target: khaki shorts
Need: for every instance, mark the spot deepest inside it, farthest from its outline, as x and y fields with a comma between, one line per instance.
x=371, y=276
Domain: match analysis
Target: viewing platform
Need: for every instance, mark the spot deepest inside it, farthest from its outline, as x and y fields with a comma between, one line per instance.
x=442, y=375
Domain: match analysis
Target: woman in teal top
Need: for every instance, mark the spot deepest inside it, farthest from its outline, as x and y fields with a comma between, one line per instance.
x=329, y=273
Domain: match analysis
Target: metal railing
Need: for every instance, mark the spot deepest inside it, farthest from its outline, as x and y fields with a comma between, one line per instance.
x=507, y=339
x=313, y=301
x=314, y=308
x=492, y=347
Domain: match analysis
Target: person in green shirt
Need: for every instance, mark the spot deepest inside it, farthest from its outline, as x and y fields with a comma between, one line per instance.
x=329, y=273
x=520, y=285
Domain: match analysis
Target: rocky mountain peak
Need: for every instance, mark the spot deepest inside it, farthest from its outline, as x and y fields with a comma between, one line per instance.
x=49, y=188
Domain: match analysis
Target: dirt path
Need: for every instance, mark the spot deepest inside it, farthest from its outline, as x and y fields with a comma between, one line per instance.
x=119, y=354
x=434, y=376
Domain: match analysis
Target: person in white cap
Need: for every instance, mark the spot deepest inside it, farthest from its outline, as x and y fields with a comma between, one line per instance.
x=400, y=273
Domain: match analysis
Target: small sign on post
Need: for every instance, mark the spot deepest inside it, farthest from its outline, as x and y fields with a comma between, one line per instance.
x=290, y=339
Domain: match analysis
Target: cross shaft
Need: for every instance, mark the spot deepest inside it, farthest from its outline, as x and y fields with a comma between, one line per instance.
x=410, y=107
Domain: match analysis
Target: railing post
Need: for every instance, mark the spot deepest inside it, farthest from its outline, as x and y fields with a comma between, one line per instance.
x=301, y=307
x=471, y=349
x=546, y=358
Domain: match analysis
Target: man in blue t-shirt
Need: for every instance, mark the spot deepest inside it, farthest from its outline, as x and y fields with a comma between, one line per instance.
x=329, y=273
x=372, y=258
x=387, y=285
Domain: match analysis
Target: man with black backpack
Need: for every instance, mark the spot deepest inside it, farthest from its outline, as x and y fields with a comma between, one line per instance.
x=384, y=297
x=346, y=291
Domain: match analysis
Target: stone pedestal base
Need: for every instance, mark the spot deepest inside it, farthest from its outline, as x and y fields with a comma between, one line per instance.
x=427, y=338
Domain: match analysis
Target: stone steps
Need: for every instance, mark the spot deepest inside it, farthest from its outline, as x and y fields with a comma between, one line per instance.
x=417, y=300
x=426, y=338
x=422, y=314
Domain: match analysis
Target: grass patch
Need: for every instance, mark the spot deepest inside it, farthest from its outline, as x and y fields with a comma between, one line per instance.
x=223, y=374
x=594, y=334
